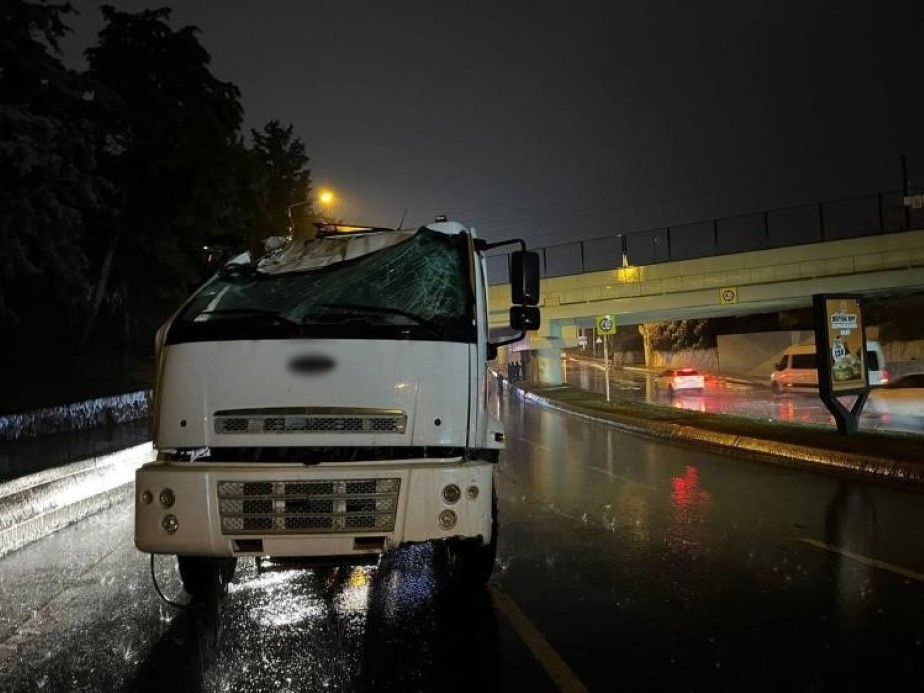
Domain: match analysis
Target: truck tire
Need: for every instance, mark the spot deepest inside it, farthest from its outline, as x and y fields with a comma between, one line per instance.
x=203, y=576
x=473, y=562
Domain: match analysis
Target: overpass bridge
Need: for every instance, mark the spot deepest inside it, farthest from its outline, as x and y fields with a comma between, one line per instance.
x=752, y=282
x=759, y=281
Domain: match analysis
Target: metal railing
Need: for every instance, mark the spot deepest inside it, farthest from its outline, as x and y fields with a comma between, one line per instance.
x=870, y=215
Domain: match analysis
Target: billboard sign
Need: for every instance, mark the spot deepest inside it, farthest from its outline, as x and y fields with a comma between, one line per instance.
x=842, y=349
x=840, y=343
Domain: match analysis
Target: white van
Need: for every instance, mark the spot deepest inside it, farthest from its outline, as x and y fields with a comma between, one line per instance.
x=797, y=370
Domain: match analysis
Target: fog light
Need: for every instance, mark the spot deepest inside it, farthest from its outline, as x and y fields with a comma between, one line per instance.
x=170, y=524
x=472, y=492
x=447, y=519
x=147, y=497
x=167, y=498
x=452, y=494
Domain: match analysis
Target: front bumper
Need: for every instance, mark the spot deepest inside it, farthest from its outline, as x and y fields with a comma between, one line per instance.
x=296, y=511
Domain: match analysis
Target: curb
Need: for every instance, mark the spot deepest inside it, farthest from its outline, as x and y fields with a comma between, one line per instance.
x=37, y=505
x=860, y=467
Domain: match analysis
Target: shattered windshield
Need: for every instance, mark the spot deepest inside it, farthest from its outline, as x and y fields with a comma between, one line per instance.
x=407, y=286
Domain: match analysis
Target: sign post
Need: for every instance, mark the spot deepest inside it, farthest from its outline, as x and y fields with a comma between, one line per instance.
x=606, y=325
x=840, y=344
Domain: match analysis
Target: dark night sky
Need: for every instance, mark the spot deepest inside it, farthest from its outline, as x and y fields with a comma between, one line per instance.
x=558, y=121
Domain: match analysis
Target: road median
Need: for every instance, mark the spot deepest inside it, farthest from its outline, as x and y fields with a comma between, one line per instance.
x=891, y=458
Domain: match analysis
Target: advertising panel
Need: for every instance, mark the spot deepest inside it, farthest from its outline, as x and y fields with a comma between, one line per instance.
x=846, y=355
x=840, y=343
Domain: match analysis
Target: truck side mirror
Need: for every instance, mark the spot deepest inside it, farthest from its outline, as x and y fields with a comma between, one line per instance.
x=524, y=278
x=524, y=318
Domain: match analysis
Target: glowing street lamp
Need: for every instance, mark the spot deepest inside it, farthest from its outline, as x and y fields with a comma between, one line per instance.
x=326, y=198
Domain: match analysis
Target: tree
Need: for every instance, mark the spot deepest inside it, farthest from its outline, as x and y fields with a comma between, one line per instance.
x=49, y=182
x=171, y=140
x=677, y=335
x=281, y=183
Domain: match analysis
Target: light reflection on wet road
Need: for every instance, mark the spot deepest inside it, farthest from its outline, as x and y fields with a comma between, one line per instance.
x=644, y=566
x=721, y=397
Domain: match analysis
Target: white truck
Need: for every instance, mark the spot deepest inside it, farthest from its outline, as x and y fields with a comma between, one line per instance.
x=329, y=401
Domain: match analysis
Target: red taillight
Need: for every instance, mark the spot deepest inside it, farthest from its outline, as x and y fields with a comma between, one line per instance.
x=885, y=375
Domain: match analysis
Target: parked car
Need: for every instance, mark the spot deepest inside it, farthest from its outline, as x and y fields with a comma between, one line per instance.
x=798, y=368
x=903, y=396
x=680, y=380
x=876, y=364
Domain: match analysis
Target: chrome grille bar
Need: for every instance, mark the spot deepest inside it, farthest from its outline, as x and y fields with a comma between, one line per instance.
x=310, y=420
x=308, y=507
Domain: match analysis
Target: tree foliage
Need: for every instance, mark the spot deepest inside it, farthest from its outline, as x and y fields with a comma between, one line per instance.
x=49, y=182
x=678, y=335
x=169, y=135
x=282, y=182
x=112, y=180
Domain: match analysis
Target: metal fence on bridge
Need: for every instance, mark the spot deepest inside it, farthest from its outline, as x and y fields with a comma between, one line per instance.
x=869, y=215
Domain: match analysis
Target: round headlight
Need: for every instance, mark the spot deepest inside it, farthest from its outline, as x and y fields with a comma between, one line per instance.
x=452, y=494
x=167, y=499
x=170, y=524
x=147, y=497
x=447, y=519
x=472, y=492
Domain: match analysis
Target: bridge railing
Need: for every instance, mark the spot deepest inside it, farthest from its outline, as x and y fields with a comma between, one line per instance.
x=854, y=217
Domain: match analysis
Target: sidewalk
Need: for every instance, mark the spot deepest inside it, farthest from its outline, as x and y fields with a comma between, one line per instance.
x=892, y=458
x=26, y=456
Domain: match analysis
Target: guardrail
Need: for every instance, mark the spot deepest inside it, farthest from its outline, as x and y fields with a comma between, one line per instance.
x=869, y=215
x=76, y=416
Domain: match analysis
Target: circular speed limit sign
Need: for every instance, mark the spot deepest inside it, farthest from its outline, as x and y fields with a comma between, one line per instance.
x=606, y=324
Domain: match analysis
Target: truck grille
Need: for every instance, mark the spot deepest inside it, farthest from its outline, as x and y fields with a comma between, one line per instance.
x=310, y=420
x=308, y=507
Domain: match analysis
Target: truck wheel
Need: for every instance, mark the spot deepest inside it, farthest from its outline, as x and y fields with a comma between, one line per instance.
x=472, y=562
x=202, y=576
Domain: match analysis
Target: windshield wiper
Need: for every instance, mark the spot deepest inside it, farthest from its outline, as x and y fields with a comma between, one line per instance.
x=356, y=308
x=250, y=313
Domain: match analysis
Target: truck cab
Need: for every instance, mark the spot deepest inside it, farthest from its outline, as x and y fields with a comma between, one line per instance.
x=329, y=401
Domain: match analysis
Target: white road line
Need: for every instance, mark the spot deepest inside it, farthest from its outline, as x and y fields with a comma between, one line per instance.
x=534, y=444
x=865, y=560
x=620, y=477
x=560, y=673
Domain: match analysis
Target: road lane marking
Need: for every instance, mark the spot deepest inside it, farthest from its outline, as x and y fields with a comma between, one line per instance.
x=560, y=673
x=534, y=444
x=620, y=477
x=865, y=560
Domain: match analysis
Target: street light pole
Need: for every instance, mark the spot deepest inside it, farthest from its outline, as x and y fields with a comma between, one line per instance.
x=289, y=214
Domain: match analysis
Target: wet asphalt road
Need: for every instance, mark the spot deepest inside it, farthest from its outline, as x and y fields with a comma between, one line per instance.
x=726, y=397
x=624, y=564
